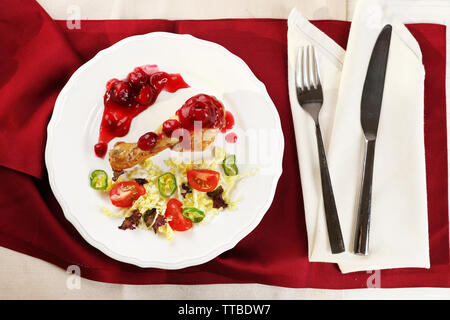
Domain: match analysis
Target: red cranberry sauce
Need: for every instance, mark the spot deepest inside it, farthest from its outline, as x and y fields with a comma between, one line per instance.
x=231, y=137
x=147, y=141
x=175, y=82
x=202, y=108
x=229, y=122
x=125, y=99
x=100, y=149
x=169, y=126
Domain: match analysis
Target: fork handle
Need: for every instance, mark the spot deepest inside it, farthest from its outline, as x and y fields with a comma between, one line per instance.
x=331, y=215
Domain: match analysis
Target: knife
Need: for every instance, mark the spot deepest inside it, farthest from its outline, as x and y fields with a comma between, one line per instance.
x=371, y=101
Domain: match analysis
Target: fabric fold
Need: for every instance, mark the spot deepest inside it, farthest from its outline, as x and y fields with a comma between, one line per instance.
x=35, y=69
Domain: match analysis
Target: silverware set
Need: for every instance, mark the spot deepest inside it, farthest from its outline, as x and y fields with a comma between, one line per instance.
x=310, y=97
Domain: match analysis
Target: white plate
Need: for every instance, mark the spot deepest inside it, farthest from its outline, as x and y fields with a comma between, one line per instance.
x=207, y=68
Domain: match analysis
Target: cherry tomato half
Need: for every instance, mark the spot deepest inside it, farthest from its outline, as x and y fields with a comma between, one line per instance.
x=203, y=180
x=123, y=194
x=174, y=214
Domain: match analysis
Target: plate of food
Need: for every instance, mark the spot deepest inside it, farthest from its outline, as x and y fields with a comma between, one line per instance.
x=164, y=150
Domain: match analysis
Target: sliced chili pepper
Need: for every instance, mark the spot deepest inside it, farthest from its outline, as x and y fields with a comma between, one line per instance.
x=167, y=184
x=193, y=214
x=99, y=180
x=229, y=165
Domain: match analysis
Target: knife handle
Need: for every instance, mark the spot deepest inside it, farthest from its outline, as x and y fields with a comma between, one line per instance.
x=363, y=222
x=331, y=215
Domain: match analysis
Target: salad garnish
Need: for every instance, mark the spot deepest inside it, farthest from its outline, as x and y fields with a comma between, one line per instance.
x=217, y=198
x=154, y=220
x=229, y=165
x=174, y=214
x=141, y=181
x=193, y=214
x=132, y=221
x=203, y=180
x=124, y=193
x=174, y=199
x=99, y=180
x=167, y=184
x=186, y=189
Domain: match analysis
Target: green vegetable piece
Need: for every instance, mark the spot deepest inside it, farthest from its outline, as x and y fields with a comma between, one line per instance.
x=167, y=184
x=229, y=165
x=193, y=214
x=99, y=180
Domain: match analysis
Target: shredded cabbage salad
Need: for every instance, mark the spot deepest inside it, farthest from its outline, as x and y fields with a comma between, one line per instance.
x=153, y=199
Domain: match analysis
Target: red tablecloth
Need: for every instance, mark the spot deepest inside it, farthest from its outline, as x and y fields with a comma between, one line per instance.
x=38, y=55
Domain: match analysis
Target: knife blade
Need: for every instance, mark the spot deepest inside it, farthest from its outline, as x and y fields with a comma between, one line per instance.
x=371, y=101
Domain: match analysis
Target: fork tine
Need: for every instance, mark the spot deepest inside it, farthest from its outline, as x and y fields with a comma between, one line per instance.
x=299, y=71
x=307, y=71
x=316, y=68
x=305, y=68
x=312, y=67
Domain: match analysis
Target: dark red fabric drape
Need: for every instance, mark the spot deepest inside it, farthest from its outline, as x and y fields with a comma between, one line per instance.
x=38, y=55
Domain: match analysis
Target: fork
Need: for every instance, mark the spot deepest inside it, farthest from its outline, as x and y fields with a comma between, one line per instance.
x=310, y=98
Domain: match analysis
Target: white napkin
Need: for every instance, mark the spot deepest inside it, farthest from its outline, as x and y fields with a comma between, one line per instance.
x=399, y=223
